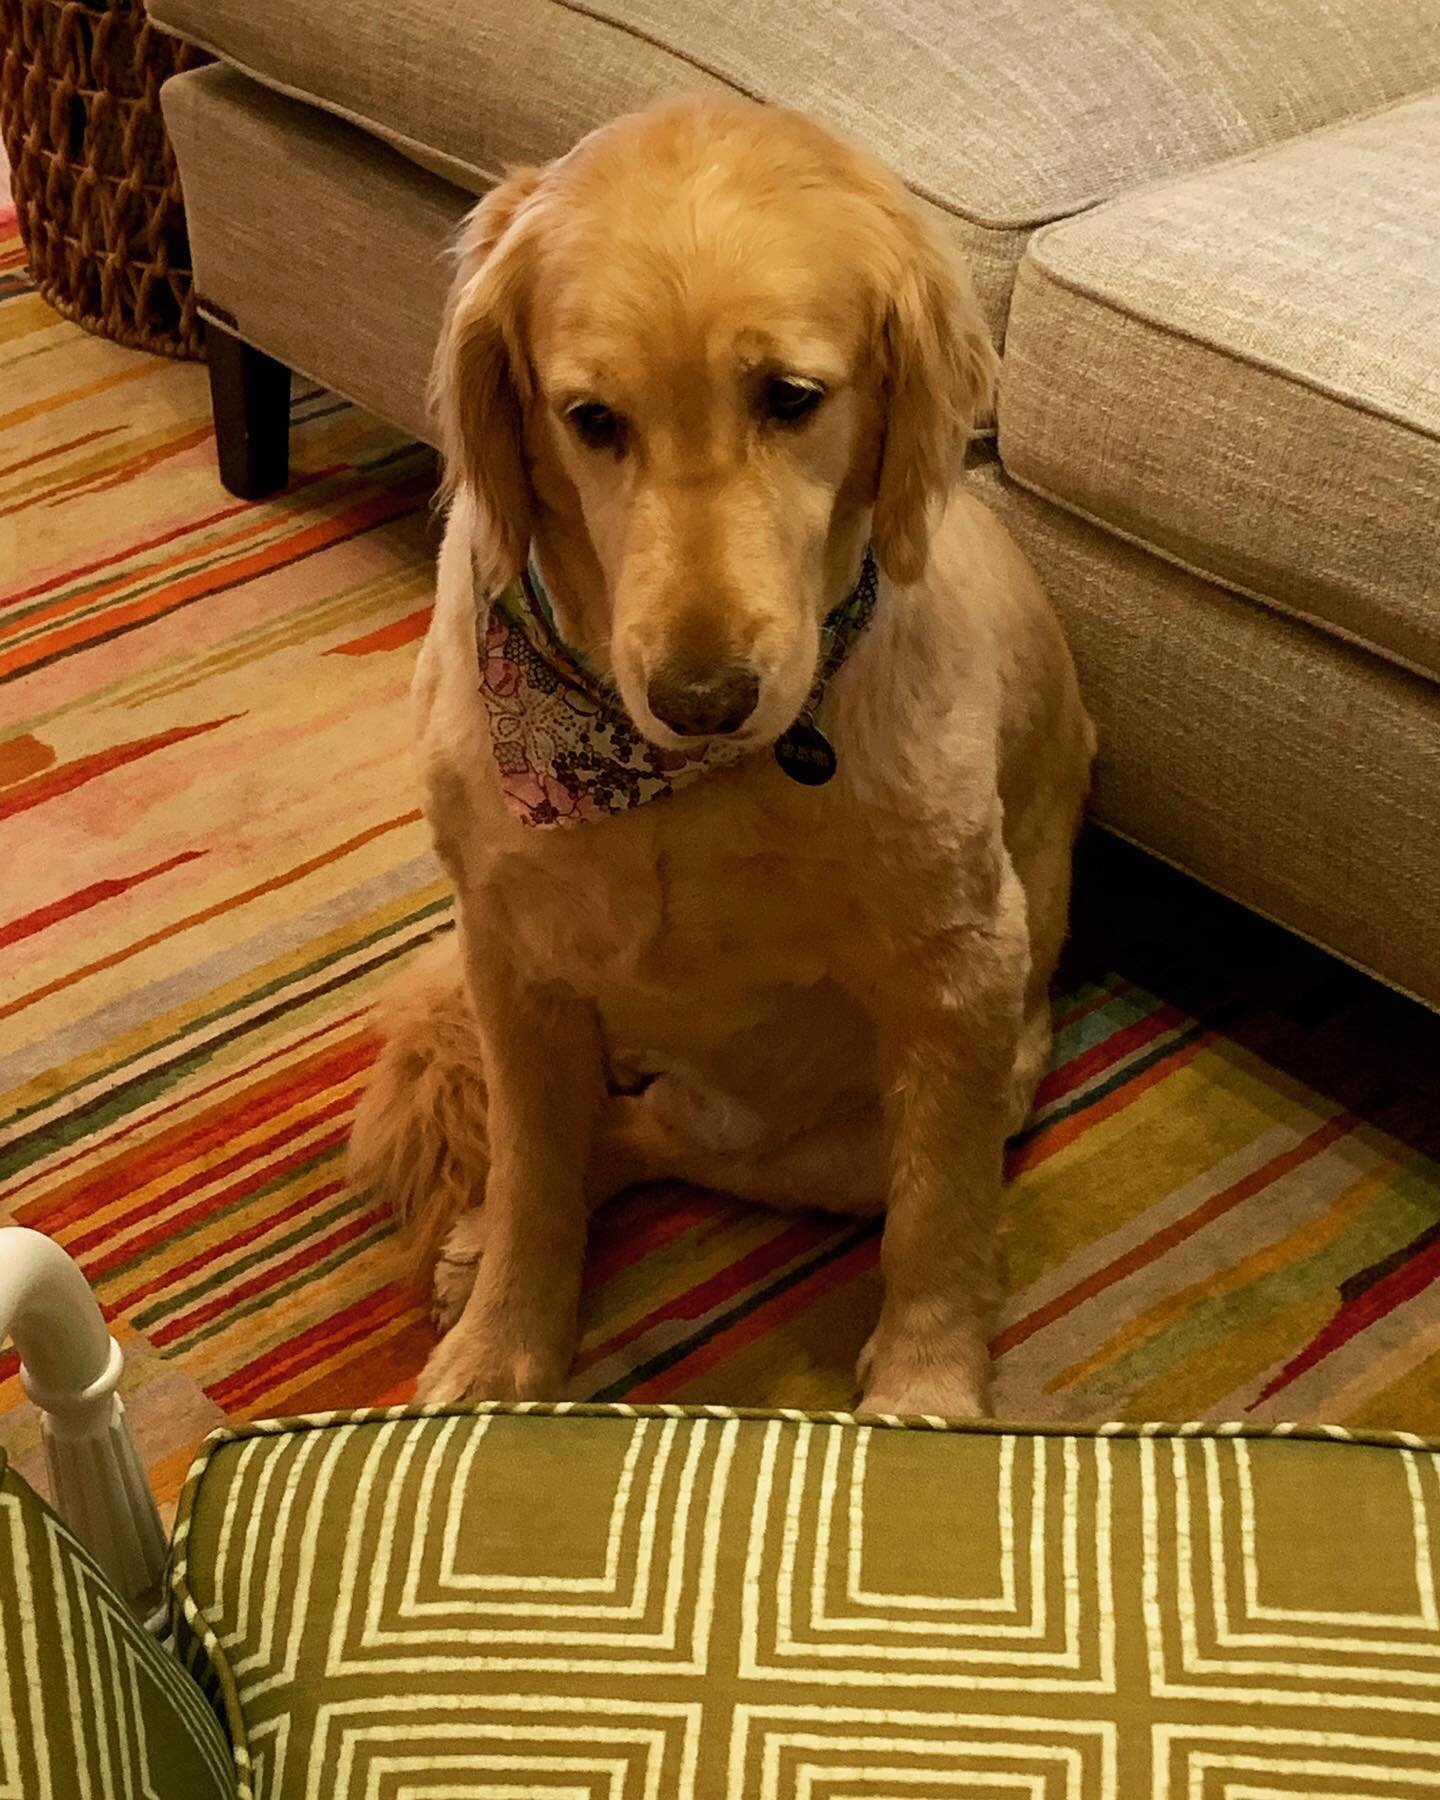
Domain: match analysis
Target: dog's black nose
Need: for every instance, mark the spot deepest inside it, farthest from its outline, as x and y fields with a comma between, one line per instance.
x=712, y=707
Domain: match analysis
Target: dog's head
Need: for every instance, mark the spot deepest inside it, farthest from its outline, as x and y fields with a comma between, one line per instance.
x=699, y=360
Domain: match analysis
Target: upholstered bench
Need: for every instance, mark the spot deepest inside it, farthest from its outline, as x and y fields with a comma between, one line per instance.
x=640, y=1604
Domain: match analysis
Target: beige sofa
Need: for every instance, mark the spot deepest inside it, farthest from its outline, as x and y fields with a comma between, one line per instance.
x=1207, y=236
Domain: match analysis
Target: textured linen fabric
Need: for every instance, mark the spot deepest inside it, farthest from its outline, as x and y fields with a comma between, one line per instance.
x=90, y=1705
x=352, y=297
x=1242, y=371
x=717, y=1606
x=1002, y=115
x=1292, y=771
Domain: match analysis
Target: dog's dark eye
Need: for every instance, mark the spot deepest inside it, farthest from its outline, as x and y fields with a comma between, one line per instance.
x=788, y=400
x=596, y=426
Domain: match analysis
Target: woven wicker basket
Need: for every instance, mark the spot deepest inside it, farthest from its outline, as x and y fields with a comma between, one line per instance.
x=93, y=176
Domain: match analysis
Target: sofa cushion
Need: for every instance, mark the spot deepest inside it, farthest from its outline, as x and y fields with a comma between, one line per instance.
x=1292, y=771
x=90, y=1705
x=1003, y=115
x=636, y=1603
x=1239, y=371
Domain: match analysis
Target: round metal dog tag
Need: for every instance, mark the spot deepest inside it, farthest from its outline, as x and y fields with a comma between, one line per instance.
x=806, y=754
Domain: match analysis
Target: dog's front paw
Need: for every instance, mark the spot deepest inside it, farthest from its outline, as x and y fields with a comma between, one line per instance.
x=946, y=1377
x=467, y=1366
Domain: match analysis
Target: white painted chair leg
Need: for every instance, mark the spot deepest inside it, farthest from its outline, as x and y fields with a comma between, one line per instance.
x=70, y=1367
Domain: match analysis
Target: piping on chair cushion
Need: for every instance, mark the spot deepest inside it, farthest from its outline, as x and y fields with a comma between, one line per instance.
x=90, y=1706
x=672, y=1604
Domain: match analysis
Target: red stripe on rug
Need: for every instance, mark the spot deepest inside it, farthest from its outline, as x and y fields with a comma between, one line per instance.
x=206, y=913
x=276, y=1273
x=206, y=1176
x=84, y=898
x=379, y=510
x=775, y=1253
x=856, y=1261
x=215, y=1205
x=380, y=1370
x=1357, y=1315
x=623, y=1242
x=237, y=1240
x=1068, y=1016
x=389, y=637
x=1175, y=1233
x=188, y=1140
x=264, y=1373
x=104, y=1141
x=1109, y=1051
x=64, y=778
x=1050, y=1140
x=220, y=1199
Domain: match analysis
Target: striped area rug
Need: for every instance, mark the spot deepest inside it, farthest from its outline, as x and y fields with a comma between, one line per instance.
x=1225, y=1205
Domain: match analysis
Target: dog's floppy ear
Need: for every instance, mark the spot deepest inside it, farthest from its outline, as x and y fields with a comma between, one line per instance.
x=939, y=372
x=481, y=382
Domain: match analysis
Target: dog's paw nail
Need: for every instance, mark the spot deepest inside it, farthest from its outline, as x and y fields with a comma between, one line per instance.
x=454, y=1279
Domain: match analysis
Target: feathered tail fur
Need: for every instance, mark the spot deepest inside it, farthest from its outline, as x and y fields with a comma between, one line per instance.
x=419, y=1135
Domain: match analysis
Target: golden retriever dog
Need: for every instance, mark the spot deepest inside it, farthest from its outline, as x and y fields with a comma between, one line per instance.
x=707, y=375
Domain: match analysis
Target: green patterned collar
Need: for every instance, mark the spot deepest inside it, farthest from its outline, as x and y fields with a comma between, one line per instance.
x=566, y=749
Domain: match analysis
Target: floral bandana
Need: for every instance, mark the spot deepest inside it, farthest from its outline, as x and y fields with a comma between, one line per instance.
x=566, y=748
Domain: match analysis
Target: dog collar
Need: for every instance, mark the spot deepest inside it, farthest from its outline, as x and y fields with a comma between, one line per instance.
x=567, y=750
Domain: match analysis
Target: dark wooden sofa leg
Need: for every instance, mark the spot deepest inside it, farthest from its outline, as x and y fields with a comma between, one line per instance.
x=250, y=400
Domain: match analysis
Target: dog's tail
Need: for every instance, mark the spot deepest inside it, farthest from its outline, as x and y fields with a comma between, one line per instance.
x=419, y=1134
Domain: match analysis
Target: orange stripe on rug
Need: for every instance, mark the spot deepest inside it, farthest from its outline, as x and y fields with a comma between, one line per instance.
x=54, y=450
x=1175, y=1233
x=388, y=637
x=97, y=480
x=189, y=1142
x=53, y=402
x=78, y=571
x=298, y=873
x=24, y=755
x=1050, y=1140
x=378, y=510
x=102, y=1141
x=64, y=778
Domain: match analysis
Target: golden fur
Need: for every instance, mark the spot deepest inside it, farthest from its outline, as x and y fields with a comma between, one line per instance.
x=840, y=994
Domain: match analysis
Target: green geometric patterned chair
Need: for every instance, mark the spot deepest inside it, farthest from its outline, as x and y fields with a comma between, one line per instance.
x=90, y=1704
x=575, y=1602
